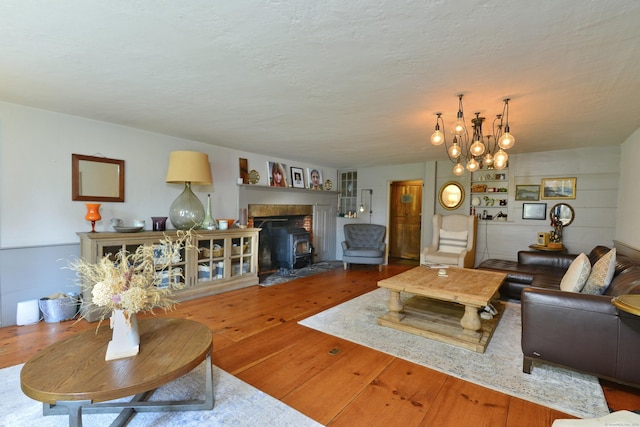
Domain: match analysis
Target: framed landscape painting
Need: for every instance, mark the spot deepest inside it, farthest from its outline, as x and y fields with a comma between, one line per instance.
x=528, y=192
x=558, y=188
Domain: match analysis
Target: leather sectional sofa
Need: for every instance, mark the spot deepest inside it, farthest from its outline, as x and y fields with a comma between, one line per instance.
x=578, y=331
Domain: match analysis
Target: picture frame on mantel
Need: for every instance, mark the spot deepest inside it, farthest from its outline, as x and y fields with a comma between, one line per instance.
x=558, y=188
x=297, y=177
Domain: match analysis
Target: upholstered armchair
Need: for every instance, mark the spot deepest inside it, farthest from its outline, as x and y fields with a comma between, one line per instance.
x=364, y=244
x=454, y=241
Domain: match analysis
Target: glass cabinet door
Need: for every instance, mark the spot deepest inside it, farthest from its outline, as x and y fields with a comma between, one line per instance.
x=241, y=252
x=211, y=254
x=173, y=261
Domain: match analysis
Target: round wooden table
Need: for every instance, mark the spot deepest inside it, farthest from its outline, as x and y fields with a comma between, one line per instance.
x=629, y=303
x=72, y=377
x=544, y=248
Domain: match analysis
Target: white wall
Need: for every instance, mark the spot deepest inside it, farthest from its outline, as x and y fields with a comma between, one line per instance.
x=35, y=174
x=38, y=219
x=628, y=230
x=378, y=179
x=597, y=173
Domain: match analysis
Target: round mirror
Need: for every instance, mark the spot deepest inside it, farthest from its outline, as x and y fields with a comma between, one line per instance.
x=563, y=212
x=451, y=195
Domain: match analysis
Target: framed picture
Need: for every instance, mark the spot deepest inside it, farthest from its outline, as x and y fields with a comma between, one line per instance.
x=297, y=177
x=534, y=211
x=558, y=188
x=528, y=192
x=277, y=174
x=314, y=180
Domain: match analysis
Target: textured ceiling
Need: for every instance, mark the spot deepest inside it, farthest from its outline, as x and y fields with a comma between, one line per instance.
x=337, y=83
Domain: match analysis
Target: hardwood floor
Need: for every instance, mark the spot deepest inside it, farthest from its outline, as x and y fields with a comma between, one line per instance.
x=336, y=382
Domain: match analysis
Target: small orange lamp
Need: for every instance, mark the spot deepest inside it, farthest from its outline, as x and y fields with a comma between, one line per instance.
x=93, y=214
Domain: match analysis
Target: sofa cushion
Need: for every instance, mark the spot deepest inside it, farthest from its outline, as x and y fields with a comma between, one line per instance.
x=577, y=274
x=601, y=274
x=452, y=241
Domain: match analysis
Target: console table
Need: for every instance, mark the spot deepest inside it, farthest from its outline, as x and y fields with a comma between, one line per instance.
x=215, y=261
x=71, y=376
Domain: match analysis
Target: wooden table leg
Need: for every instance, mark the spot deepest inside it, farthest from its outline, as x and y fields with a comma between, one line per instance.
x=471, y=319
x=395, y=306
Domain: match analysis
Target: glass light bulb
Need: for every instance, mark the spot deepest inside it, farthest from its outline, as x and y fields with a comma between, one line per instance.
x=488, y=159
x=477, y=148
x=499, y=165
x=437, y=138
x=458, y=127
x=506, y=141
x=473, y=165
x=361, y=207
x=458, y=169
x=454, y=151
x=500, y=157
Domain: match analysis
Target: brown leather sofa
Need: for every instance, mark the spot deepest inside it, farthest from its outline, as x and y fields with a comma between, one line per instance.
x=533, y=269
x=581, y=332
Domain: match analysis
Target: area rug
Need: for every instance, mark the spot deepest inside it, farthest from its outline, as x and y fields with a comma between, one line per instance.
x=236, y=404
x=287, y=275
x=499, y=368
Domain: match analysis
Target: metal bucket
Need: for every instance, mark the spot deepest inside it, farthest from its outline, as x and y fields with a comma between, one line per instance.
x=59, y=309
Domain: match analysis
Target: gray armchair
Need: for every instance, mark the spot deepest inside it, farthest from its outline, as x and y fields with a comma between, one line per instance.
x=364, y=244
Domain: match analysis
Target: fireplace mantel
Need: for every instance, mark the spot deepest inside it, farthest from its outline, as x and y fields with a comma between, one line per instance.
x=263, y=195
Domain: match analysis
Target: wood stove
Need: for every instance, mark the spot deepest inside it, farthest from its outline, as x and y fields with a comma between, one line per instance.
x=291, y=248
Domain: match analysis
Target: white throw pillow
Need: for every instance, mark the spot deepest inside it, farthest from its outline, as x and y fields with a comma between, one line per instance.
x=601, y=274
x=452, y=241
x=577, y=274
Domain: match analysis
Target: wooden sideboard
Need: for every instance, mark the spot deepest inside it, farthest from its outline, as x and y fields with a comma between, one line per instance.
x=214, y=262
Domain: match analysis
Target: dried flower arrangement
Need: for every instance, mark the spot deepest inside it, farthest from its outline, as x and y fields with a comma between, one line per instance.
x=130, y=281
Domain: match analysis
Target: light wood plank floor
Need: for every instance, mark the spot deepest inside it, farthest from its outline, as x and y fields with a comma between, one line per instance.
x=257, y=339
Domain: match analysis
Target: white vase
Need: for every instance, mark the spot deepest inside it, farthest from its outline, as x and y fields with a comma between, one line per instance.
x=125, y=341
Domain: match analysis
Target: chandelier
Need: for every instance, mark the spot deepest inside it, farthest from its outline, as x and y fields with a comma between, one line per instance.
x=469, y=150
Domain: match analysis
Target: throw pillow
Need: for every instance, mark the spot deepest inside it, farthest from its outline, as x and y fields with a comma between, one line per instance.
x=577, y=274
x=601, y=274
x=452, y=241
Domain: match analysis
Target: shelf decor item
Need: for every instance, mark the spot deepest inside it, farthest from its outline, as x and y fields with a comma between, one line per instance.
x=208, y=223
x=93, y=214
x=127, y=283
x=187, y=167
x=159, y=223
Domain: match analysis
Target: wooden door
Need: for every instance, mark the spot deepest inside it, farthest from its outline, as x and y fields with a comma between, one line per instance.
x=405, y=219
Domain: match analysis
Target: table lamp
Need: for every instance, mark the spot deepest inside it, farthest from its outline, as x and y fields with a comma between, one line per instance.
x=188, y=167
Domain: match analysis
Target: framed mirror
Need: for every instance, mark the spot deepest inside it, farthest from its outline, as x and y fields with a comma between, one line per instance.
x=451, y=195
x=97, y=179
x=564, y=212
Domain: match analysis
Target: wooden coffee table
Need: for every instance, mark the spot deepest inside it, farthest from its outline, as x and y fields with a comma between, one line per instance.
x=444, y=308
x=71, y=377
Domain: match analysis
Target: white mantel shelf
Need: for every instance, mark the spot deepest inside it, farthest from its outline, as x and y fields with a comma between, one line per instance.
x=287, y=189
